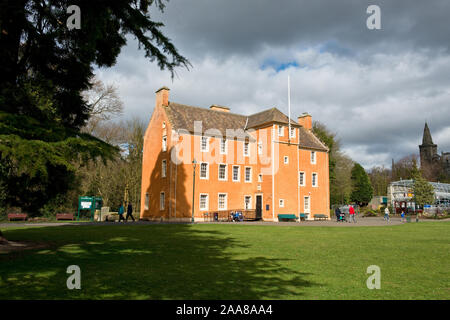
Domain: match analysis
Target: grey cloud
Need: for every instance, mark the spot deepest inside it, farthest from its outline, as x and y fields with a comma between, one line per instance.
x=375, y=89
x=229, y=27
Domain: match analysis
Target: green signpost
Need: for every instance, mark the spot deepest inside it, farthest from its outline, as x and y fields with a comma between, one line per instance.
x=90, y=204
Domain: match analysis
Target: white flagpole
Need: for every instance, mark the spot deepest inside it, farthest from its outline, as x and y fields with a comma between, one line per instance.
x=289, y=108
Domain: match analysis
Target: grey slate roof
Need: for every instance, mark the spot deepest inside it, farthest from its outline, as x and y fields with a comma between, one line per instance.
x=183, y=116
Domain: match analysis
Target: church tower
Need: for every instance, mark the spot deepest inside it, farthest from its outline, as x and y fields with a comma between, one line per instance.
x=428, y=150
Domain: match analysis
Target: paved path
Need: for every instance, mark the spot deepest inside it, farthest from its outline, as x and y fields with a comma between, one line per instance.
x=376, y=221
x=328, y=223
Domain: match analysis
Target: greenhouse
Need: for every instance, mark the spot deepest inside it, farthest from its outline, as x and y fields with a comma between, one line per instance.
x=400, y=195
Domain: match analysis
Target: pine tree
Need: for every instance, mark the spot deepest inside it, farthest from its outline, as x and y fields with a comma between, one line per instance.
x=45, y=68
x=362, y=190
x=423, y=190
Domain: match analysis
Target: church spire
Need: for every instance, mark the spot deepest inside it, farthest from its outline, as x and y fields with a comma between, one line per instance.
x=427, y=140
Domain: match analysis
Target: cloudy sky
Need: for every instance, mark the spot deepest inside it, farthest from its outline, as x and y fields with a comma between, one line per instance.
x=373, y=88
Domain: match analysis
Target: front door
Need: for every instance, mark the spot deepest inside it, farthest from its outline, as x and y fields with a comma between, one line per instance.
x=258, y=207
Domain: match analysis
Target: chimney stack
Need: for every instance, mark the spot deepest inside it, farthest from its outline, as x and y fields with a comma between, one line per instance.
x=216, y=107
x=162, y=96
x=305, y=121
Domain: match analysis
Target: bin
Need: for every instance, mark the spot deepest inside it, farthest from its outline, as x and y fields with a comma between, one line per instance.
x=408, y=218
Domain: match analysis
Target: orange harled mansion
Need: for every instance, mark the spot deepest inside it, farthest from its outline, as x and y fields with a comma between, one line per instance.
x=257, y=164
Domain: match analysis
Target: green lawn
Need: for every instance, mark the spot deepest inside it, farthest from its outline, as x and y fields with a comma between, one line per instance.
x=230, y=262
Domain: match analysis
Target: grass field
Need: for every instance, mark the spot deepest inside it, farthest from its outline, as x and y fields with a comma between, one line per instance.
x=229, y=262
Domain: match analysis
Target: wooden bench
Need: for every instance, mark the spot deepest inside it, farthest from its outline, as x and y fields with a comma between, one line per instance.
x=287, y=217
x=64, y=216
x=17, y=216
x=320, y=217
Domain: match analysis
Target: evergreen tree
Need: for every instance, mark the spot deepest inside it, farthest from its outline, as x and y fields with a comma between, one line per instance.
x=423, y=190
x=362, y=190
x=44, y=69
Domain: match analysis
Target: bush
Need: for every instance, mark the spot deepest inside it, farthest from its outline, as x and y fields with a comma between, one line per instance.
x=367, y=212
x=432, y=215
x=56, y=205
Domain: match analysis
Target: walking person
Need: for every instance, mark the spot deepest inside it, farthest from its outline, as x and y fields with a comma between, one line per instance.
x=402, y=216
x=120, y=212
x=351, y=212
x=386, y=214
x=337, y=212
x=129, y=212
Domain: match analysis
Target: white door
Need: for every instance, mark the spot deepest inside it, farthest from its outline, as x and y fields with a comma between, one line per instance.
x=307, y=205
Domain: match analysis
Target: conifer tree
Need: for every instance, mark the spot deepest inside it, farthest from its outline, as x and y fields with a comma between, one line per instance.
x=45, y=67
x=423, y=190
x=362, y=190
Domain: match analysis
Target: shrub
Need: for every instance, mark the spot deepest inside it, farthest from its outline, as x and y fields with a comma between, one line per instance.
x=368, y=212
x=56, y=205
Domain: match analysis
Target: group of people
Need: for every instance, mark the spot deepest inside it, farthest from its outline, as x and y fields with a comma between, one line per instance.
x=340, y=216
x=129, y=212
x=387, y=215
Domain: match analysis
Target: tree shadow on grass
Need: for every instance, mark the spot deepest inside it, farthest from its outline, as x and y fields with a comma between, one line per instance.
x=145, y=262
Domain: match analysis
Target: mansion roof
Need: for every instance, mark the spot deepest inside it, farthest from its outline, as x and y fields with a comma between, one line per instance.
x=183, y=117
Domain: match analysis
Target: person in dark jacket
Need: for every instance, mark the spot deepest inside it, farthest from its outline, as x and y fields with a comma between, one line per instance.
x=129, y=212
x=337, y=212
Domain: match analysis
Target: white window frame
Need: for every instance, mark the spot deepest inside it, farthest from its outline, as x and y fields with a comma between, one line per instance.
x=245, y=174
x=239, y=174
x=316, y=184
x=162, y=200
x=313, y=157
x=201, y=144
x=207, y=171
x=260, y=148
x=260, y=177
x=218, y=201
x=250, y=202
x=226, y=172
x=281, y=203
x=286, y=159
x=246, y=154
x=164, y=144
x=293, y=132
x=164, y=168
x=304, y=178
x=280, y=131
x=306, y=209
x=226, y=146
x=147, y=201
x=200, y=202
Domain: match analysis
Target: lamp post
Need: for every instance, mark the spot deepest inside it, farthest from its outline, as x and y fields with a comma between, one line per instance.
x=194, y=162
